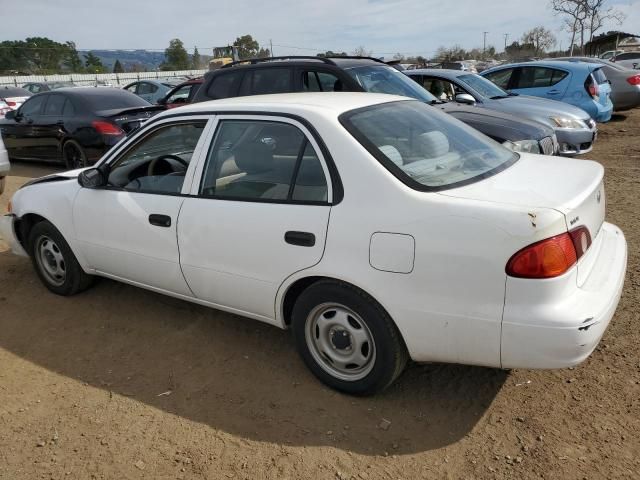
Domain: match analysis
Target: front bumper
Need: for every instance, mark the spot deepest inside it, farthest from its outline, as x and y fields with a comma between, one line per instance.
x=8, y=234
x=564, y=330
x=577, y=141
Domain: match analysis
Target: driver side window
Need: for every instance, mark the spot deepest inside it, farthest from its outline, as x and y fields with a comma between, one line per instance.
x=158, y=162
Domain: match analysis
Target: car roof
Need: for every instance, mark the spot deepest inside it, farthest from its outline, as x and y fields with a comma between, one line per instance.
x=338, y=61
x=442, y=72
x=551, y=64
x=88, y=91
x=334, y=103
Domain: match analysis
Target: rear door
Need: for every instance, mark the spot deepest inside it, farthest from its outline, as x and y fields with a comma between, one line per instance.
x=52, y=126
x=551, y=83
x=258, y=213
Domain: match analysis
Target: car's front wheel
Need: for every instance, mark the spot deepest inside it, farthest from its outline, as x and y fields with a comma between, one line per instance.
x=55, y=263
x=347, y=339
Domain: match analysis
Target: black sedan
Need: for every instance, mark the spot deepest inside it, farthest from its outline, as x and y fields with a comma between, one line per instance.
x=75, y=126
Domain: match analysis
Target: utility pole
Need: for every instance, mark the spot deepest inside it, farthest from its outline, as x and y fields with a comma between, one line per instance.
x=484, y=45
x=271, y=47
x=506, y=37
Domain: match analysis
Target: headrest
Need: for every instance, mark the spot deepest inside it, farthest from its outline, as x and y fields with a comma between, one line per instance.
x=254, y=157
x=433, y=144
x=392, y=154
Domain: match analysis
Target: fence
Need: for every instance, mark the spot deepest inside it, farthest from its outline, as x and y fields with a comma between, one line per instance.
x=109, y=79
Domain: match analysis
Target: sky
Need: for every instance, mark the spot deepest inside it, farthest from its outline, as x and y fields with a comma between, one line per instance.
x=304, y=27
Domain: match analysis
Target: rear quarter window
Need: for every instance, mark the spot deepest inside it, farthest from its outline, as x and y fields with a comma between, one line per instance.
x=224, y=86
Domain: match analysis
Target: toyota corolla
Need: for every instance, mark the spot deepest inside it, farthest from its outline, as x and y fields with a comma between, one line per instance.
x=378, y=229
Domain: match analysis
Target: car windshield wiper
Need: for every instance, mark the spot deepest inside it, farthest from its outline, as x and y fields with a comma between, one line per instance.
x=436, y=102
x=498, y=97
x=513, y=94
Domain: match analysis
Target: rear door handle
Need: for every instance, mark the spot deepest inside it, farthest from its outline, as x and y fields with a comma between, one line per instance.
x=302, y=239
x=553, y=92
x=160, y=220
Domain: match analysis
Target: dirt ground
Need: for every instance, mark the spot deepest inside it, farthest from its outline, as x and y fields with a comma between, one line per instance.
x=121, y=383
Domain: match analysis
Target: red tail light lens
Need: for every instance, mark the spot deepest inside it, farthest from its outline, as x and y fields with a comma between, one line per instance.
x=107, y=128
x=545, y=259
x=593, y=90
x=551, y=257
x=11, y=104
x=635, y=80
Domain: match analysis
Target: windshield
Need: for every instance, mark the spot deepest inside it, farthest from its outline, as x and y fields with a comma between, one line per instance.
x=384, y=79
x=483, y=86
x=425, y=148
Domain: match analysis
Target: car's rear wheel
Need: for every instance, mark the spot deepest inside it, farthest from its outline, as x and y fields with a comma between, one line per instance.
x=347, y=339
x=74, y=155
x=55, y=263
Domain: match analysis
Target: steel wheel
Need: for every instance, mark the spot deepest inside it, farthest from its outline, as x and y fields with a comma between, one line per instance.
x=74, y=156
x=340, y=341
x=50, y=261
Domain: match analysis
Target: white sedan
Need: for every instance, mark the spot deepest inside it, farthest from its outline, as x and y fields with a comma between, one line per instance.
x=375, y=227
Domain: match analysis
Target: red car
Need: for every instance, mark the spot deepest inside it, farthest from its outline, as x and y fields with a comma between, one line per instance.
x=181, y=94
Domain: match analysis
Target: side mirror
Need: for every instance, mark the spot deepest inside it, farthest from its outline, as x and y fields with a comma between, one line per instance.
x=465, y=98
x=11, y=114
x=93, y=178
x=162, y=101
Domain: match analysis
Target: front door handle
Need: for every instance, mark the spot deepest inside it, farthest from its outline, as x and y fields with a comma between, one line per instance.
x=302, y=239
x=160, y=220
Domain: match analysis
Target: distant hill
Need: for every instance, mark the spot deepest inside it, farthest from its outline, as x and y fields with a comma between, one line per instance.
x=145, y=59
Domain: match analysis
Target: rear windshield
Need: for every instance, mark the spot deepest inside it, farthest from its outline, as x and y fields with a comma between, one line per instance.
x=110, y=99
x=14, y=92
x=384, y=79
x=599, y=76
x=424, y=147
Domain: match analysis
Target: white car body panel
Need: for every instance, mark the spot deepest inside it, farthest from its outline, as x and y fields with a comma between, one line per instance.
x=5, y=166
x=450, y=298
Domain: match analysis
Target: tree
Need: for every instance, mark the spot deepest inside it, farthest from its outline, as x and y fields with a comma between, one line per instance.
x=93, y=64
x=264, y=53
x=585, y=17
x=175, y=56
x=196, y=63
x=71, y=59
x=330, y=53
x=541, y=39
x=117, y=67
x=362, y=52
x=247, y=47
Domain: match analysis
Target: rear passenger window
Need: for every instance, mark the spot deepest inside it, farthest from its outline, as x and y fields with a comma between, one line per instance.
x=224, y=86
x=501, y=78
x=263, y=160
x=263, y=81
x=54, y=106
x=68, y=111
x=320, y=82
x=537, y=77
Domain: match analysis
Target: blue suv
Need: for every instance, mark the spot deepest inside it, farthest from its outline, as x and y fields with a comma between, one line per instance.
x=581, y=84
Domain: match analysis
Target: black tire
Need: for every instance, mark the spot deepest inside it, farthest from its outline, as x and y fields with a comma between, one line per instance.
x=66, y=277
x=389, y=356
x=74, y=155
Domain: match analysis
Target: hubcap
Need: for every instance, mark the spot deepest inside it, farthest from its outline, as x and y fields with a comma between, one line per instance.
x=340, y=342
x=50, y=260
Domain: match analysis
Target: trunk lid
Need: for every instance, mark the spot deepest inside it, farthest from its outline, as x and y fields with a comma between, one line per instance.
x=128, y=119
x=572, y=187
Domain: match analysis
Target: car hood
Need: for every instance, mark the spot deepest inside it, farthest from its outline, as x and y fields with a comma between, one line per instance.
x=537, y=107
x=55, y=177
x=497, y=124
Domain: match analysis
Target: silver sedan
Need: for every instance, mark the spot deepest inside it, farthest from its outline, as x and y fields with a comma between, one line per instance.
x=574, y=128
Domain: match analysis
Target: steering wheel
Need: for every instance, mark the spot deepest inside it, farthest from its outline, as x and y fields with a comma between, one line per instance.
x=163, y=158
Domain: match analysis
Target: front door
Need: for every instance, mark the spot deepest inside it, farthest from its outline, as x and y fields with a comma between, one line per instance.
x=258, y=213
x=128, y=229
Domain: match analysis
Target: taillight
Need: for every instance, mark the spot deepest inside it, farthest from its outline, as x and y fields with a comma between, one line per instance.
x=107, y=128
x=545, y=259
x=593, y=90
x=635, y=80
x=581, y=240
x=10, y=103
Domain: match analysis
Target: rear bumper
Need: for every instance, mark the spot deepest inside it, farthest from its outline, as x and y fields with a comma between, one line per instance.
x=565, y=330
x=603, y=112
x=8, y=234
